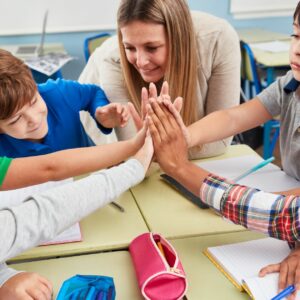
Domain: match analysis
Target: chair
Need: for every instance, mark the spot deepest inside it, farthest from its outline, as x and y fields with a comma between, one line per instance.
x=91, y=43
x=251, y=77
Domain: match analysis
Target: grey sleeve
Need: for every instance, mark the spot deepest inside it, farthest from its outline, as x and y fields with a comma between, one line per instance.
x=272, y=96
x=45, y=215
x=6, y=273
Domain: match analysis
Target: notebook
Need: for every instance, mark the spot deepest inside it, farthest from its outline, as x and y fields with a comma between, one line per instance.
x=15, y=197
x=241, y=263
x=34, y=50
x=269, y=178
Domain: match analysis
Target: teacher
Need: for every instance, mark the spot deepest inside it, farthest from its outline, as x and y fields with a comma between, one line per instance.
x=197, y=53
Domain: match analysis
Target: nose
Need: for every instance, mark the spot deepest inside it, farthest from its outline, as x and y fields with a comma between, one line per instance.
x=141, y=59
x=32, y=118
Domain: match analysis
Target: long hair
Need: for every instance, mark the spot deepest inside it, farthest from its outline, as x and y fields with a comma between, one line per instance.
x=181, y=71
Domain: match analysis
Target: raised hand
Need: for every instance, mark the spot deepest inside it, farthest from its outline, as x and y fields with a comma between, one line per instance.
x=113, y=115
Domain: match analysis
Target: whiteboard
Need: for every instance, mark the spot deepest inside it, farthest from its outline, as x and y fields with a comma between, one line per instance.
x=26, y=16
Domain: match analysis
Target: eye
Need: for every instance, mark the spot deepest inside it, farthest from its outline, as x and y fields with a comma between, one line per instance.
x=129, y=48
x=151, y=49
x=294, y=35
x=33, y=101
x=14, y=121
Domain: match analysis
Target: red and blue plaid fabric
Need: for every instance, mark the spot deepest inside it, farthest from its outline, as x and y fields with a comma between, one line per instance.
x=274, y=215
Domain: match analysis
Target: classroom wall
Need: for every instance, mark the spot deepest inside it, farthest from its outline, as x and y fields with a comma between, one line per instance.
x=73, y=42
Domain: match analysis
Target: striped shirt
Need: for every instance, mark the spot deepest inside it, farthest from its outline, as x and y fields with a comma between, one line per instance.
x=274, y=215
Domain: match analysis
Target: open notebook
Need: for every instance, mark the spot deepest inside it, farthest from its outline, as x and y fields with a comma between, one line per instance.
x=241, y=263
x=15, y=197
x=269, y=178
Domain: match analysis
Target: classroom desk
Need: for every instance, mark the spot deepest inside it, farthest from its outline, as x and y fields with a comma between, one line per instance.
x=114, y=264
x=205, y=281
x=104, y=230
x=166, y=211
x=268, y=60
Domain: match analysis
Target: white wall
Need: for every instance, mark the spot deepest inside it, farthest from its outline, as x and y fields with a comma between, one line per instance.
x=26, y=16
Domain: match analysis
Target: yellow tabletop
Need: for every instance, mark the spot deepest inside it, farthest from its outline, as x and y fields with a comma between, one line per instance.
x=266, y=58
x=204, y=279
x=257, y=35
x=114, y=264
x=106, y=229
x=167, y=212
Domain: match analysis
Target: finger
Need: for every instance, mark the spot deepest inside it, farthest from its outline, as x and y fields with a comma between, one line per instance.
x=178, y=103
x=158, y=124
x=152, y=90
x=159, y=118
x=47, y=283
x=283, y=276
x=165, y=90
x=175, y=112
x=274, y=268
x=154, y=132
x=37, y=293
x=145, y=101
x=119, y=108
x=135, y=116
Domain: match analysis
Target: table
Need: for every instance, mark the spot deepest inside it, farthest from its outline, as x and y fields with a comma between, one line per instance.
x=205, y=281
x=106, y=229
x=115, y=264
x=167, y=212
x=269, y=60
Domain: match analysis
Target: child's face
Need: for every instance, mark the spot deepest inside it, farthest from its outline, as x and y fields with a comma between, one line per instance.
x=29, y=123
x=295, y=52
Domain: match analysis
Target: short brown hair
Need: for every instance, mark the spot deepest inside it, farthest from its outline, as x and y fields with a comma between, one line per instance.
x=297, y=14
x=17, y=86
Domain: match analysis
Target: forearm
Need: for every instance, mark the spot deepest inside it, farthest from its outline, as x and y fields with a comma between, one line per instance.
x=189, y=175
x=44, y=216
x=66, y=163
x=254, y=209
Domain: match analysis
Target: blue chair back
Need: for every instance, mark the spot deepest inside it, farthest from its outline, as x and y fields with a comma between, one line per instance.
x=91, y=43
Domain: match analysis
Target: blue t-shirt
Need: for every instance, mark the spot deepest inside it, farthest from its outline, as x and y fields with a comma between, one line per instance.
x=64, y=100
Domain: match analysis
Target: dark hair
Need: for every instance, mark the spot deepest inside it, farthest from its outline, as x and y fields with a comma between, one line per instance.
x=297, y=14
x=17, y=86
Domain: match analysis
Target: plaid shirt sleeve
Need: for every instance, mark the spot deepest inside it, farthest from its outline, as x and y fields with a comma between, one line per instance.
x=274, y=215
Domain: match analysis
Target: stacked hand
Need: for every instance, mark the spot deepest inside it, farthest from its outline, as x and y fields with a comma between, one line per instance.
x=112, y=115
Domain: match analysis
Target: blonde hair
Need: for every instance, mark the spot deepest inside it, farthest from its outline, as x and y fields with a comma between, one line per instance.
x=181, y=71
x=17, y=86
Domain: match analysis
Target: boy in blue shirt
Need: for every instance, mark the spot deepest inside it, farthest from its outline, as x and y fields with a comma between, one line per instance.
x=41, y=119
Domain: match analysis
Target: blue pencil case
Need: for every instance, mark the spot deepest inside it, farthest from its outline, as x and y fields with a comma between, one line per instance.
x=87, y=287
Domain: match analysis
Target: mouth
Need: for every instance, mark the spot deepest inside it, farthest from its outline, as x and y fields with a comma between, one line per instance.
x=143, y=71
x=295, y=66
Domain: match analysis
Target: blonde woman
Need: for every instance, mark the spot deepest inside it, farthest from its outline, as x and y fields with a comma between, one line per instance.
x=197, y=53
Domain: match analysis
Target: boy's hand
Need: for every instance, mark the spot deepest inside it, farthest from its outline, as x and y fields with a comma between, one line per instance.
x=289, y=271
x=26, y=286
x=112, y=115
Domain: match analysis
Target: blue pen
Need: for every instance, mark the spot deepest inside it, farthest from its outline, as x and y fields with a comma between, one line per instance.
x=255, y=168
x=287, y=291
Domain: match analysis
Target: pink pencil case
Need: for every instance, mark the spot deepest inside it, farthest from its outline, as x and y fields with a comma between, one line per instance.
x=158, y=269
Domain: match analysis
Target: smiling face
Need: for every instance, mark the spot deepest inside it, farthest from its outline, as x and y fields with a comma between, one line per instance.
x=28, y=123
x=295, y=51
x=146, y=49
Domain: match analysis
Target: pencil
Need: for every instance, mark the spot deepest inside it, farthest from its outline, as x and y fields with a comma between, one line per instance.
x=254, y=169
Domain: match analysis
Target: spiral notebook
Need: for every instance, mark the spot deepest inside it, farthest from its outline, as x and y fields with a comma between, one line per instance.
x=241, y=263
x=16, y=197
